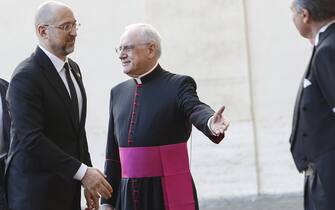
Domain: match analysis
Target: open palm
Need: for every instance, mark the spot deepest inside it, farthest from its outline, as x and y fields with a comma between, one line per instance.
x=219, y=123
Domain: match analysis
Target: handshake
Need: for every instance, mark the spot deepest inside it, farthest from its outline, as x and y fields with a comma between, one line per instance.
x=95, y=185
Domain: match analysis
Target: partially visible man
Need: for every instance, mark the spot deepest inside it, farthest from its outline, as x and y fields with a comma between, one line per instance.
x=4, y=140
x=48, y=158
x=151, y=117
x=313, y=131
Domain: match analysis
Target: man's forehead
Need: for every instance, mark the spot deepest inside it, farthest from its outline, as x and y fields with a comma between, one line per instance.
x=130, y=37
x=65, y=15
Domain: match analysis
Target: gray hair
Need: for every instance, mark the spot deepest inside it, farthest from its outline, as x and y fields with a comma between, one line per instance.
x=319, y=10
x=148, y=33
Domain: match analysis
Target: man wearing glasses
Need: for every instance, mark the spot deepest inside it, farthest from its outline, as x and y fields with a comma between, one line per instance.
x=49, y=159
x=151, y=117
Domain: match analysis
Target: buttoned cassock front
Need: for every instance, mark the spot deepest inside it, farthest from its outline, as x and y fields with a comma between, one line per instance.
x=159, y=111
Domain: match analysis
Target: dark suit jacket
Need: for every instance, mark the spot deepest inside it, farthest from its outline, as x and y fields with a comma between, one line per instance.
x=5, y=143
x=48, y=142
x=158, y=112
x=313, y=133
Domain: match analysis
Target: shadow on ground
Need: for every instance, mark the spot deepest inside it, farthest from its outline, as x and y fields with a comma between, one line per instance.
x=261, y=202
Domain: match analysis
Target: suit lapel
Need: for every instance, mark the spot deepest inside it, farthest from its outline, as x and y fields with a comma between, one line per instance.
x=76, y=73
x=296, y=112
x=77, y=76
x=325, y=34
x=54, y=79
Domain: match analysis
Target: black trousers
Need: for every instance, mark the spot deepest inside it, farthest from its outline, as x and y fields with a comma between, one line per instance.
x=315, y=197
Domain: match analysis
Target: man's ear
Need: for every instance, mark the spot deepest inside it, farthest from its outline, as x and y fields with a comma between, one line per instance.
x=306, y=16
x=42, y=31
x=152, y=48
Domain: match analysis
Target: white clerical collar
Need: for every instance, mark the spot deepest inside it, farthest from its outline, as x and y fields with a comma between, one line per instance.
x=57, y=62
x=322, y=29
x=138, y=79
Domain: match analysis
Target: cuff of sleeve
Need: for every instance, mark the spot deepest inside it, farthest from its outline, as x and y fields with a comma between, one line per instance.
x=209, y=125
x=105, y=205
x=81, y=172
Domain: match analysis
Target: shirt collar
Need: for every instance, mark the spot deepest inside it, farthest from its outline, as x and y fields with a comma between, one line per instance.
x=138, y=79
x=322, y=29
x=57, y=62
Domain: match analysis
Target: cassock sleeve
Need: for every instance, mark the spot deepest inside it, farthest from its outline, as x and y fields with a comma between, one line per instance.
x=112, y=162
x=325, y=74
x=195, y=110
x=26, y=105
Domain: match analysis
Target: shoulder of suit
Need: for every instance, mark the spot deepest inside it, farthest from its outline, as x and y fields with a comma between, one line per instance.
x=180, y=78
x=73, y=64
x=3, y=83
x=175, y=76
x=123, y=85
x=75, y=67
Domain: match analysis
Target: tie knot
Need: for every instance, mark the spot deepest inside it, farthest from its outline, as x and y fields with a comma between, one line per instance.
x=66, y=66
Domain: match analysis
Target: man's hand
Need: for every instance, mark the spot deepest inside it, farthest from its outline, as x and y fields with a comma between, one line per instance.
x=95, y=184
x=92, y=201
x=218, y=123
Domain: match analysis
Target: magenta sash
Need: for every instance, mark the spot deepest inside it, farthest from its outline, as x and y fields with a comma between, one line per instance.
x=171, y=163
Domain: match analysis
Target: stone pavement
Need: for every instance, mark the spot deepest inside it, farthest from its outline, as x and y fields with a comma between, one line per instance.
x=262, y=202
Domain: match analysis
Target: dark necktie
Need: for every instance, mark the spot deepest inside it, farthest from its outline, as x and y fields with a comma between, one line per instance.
x=74, y=98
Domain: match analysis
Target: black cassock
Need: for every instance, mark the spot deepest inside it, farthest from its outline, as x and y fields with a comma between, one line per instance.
x=158, y=110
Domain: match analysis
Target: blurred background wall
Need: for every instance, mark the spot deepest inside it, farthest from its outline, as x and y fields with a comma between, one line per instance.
x=244, y=54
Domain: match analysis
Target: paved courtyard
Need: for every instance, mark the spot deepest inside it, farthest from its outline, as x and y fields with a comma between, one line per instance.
x=262, y=202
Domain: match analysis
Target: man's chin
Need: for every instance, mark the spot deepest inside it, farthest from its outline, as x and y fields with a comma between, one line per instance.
x=128, y=72
x=69, y=50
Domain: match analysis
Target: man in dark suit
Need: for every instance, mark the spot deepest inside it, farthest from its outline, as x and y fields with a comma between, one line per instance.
x=4, y=139
x=48, y=158
x=313, y=133
x=151, y=117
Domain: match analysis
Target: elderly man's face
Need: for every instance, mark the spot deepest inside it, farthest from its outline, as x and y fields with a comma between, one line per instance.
x=134, y=54
x=61, y=33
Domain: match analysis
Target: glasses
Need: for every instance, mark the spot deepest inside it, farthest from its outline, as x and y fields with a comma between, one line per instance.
x=67, y=27
x=128, y=48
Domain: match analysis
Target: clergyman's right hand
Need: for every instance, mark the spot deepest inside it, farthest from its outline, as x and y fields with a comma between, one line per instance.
x=94, y=181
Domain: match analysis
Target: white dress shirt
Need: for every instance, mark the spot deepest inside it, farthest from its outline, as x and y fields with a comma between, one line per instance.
x=59, y=64
x=322, y=29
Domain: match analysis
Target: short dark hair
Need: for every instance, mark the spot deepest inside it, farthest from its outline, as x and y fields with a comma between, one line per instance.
x=320, y=10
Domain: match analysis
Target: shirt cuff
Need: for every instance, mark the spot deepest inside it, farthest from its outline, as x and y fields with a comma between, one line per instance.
x=209, y=125
x=81, y=172
x=106, y=206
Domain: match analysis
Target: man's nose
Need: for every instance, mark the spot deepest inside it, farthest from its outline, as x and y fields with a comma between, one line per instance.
x=73, y=31
x=122, y=55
